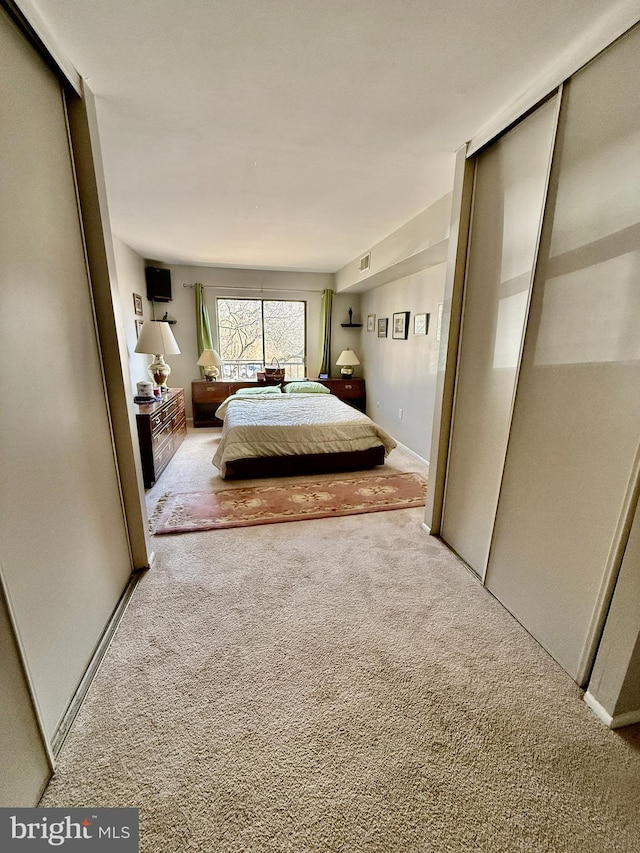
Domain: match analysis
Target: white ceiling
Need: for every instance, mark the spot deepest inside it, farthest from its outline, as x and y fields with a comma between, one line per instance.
x=295, y=134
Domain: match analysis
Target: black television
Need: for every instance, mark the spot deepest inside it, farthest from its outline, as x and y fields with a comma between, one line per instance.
x=158, y=284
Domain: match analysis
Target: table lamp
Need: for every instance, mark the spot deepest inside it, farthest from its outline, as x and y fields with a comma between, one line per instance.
x=210, y=362
x=156, y=339
x=346, y=362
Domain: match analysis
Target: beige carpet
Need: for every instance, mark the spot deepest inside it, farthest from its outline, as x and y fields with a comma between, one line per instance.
x=337, y=686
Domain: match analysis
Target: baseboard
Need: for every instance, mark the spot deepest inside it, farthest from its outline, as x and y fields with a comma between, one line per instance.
x=426, y=528
x=412, y=453
x=94, y=664
x=613, y=722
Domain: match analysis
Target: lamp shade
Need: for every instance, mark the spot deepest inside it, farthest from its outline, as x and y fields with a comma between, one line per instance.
x=209, y=358
x=157, y=338
x=347, y=358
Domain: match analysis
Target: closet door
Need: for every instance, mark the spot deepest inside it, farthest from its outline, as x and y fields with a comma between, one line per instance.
x=510, y=186
x=24, y=758
x=64, y=545
x=570, y=465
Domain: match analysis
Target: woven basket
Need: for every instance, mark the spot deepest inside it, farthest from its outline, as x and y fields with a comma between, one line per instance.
x=274, y=371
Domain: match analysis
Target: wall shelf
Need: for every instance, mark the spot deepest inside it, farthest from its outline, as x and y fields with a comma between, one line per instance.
x=351, y=325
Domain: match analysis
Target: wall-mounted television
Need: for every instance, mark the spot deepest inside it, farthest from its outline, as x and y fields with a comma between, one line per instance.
x=158, y=284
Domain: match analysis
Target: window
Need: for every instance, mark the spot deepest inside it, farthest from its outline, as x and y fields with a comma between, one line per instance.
x=254, y=332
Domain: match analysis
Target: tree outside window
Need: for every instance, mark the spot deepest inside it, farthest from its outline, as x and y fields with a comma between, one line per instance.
x=258, y=332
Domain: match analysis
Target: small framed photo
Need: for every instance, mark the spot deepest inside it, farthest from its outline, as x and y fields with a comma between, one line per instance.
x=383, y=325
x=371, y=323
x=400, y=325
x=137, y=304
x=421, y=324
x=138, y=327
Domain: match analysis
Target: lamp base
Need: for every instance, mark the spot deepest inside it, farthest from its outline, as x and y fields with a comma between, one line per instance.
x=159, y=371
x=211, y=373
x=346, y=372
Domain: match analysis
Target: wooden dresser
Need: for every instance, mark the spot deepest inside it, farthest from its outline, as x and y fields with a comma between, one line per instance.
x=162, y=427
x=207, y=396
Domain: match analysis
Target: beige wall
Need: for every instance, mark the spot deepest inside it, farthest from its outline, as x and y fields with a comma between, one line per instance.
x=407, y=274
x=130, y=274
x=419, y=243
x=401, y=374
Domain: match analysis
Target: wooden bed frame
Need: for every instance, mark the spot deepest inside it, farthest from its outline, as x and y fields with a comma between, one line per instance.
x=311, y=463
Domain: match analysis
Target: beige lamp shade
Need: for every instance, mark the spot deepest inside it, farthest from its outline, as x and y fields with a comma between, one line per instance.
x=209, y=358
x=210, y=362
x=156, y=338
x=346, y=360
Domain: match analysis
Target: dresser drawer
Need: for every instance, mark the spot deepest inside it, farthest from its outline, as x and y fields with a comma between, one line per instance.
x=157, y=420
x=159, y=435
x=209, y=392
x=162, y=456
x=348, y=389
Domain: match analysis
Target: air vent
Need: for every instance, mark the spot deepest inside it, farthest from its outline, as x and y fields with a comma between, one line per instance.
x=365, y=262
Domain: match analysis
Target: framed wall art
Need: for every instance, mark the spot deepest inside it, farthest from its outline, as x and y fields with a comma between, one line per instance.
x=371, y=323
x=421, y=324
x=400, y=325
x=383, y=325
x=137, y=304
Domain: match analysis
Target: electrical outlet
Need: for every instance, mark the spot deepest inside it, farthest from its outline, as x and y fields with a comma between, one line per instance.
x=400, y=413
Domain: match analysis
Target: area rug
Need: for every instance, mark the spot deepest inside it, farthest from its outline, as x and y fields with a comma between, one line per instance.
x=193, y=511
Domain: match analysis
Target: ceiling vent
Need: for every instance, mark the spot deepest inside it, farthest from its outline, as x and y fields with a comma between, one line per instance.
x=365, y=262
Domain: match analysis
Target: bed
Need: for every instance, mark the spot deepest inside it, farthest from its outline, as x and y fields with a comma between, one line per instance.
x=276, y=434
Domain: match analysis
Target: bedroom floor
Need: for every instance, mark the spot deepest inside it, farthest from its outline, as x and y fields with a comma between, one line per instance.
x=339, y=685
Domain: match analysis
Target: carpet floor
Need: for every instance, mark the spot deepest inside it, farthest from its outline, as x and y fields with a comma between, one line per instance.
x=337, y=686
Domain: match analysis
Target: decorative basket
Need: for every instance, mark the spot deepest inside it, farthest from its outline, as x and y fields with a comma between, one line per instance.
x=273, y=371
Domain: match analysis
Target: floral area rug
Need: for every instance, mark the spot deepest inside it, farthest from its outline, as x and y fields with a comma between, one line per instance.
x=192, y=511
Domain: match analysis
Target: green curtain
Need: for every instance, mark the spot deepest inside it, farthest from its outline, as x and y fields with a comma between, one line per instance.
x=203, y=325
x=325, y=331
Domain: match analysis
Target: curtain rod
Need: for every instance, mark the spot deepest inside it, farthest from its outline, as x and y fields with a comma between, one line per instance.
x=255, y=289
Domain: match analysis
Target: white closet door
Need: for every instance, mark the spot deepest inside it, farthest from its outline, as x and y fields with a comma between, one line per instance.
x=510, y=185
x=63, y=540
x=576, y=424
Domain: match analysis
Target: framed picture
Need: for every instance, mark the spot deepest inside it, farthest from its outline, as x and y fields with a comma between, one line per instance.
x=400, y=325
x=371, y=323
x=382, y=327
x=138, y=327
x=137, y=304
x=421, y=324
x=439, y=323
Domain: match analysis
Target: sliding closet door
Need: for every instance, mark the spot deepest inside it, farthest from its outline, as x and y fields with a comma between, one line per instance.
x=25, y=767
x=576, y=424
x=63, y=540
x=510, y=185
